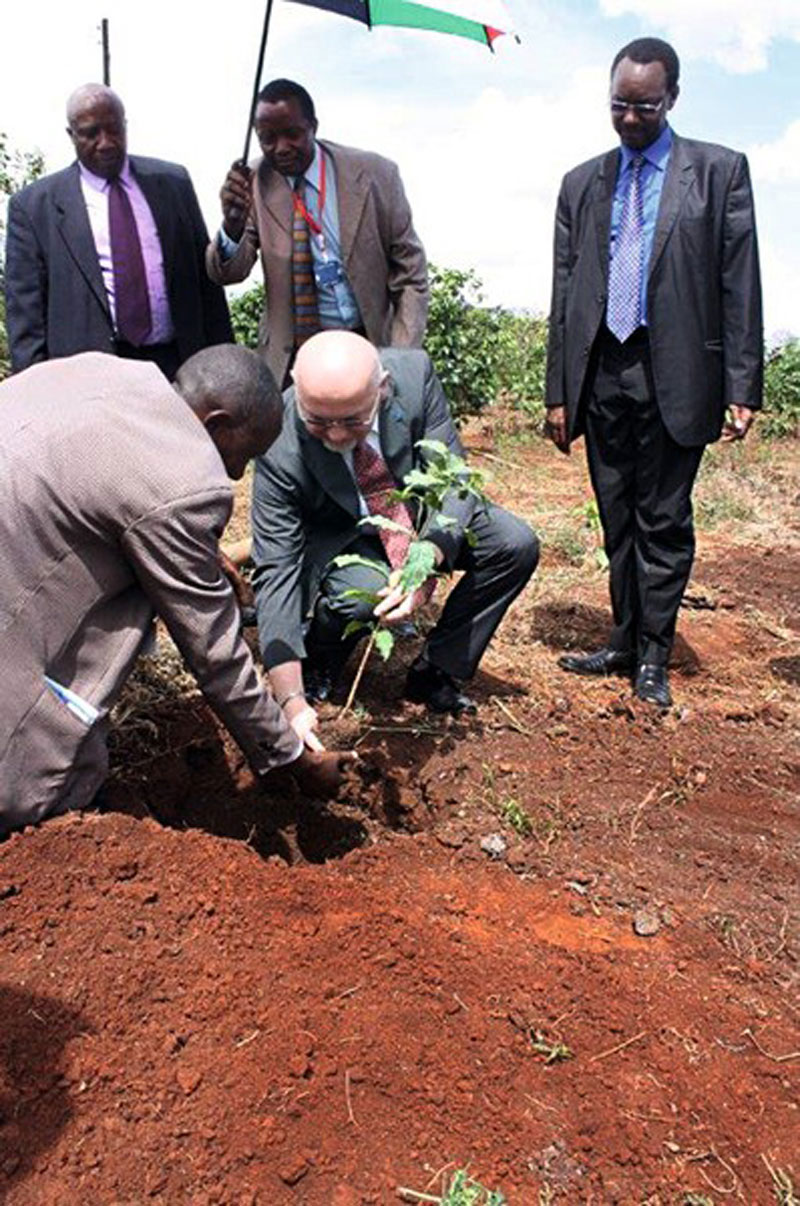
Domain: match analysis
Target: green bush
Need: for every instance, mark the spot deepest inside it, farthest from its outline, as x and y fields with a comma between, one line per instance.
x=246, y=311
x=481, y=353
x=782, y=392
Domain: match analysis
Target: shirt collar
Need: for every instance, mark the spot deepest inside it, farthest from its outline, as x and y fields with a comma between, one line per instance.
x=656, y=154
x=311, y=174
x=99, y=183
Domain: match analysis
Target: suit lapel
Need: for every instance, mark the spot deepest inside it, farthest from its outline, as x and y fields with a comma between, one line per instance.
x=395, y=434
x=276, y=194
x=603, y=200
x=679, y=177
x=350, y=200
x=72, y=222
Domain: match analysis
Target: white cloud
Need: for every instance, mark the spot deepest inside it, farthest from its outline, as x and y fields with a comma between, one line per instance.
x=734, y=33
x=778, y=162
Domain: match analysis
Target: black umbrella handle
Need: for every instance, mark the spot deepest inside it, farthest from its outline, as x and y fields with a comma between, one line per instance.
x=257, y=83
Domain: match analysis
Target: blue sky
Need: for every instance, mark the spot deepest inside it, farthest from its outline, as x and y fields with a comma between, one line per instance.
x=482, y=140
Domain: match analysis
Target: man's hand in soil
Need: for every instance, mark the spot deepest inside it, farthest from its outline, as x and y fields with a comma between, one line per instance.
x=235, y=197
x=555, y=426
x=304, y=720
x=737, y=423
x=319, y=775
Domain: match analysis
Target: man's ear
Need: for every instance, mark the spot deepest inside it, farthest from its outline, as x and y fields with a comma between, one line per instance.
x=673, y=96
x=218, y=423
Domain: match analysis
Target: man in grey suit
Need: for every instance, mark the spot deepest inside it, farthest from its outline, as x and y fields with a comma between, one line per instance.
x=655, y=333
x=114, y=490
x=345, y=210
x=351, y=404
x=108, y=255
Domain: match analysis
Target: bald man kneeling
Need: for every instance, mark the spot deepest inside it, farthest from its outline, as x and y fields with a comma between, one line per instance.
x=352, y=423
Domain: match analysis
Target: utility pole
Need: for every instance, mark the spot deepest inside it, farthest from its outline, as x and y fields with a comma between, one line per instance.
x=106, y=53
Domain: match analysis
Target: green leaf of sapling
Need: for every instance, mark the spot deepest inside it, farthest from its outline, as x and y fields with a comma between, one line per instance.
x=356, y=626
x=345, y=559
x=419, y=564
x=384, y=642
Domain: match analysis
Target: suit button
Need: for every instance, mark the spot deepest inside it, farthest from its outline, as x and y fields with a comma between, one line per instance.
x=601, y=297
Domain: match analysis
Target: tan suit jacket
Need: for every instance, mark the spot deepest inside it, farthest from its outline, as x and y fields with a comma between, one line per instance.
x=112, y=501
x=382, y=256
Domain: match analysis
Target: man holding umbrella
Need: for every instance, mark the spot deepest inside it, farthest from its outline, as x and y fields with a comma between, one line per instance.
x=335, y=233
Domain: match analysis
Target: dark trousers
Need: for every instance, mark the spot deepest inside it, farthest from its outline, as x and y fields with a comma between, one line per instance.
x=643, y=483
x=496, y=569
x=164, y=355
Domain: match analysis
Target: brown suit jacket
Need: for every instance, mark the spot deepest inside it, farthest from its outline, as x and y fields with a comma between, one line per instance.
x=382, y=255
x=112, y=501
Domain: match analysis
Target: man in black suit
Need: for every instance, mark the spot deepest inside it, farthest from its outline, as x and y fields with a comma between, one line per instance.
x=109, y=254
x=352, y=425
x=655, y=332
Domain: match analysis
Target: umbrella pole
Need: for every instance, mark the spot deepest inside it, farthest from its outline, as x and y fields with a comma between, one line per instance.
x=257, y=82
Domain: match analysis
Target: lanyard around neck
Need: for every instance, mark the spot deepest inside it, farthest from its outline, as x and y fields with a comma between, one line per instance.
x=300, y=205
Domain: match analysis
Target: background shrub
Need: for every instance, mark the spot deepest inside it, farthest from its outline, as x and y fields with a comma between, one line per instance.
x=782, y=392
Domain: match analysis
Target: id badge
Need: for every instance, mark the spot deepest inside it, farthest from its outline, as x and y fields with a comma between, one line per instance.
x=327, y=274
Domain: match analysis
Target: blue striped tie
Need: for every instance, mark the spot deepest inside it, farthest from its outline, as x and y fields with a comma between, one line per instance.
x=624, y=311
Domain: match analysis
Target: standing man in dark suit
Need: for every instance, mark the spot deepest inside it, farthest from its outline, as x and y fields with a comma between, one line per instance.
x=351, y=431
x=655, y=333
x=109, y=254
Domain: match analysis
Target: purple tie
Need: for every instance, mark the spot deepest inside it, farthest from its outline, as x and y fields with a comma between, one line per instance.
x=624, y=313
x=131, y=298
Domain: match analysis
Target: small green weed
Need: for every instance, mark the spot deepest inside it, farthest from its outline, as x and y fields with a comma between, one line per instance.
x=782, y=1185
x=554, y=1052
x=515, y=815
x=462, y=1191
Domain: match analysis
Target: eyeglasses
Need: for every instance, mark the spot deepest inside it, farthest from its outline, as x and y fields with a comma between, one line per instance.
x=350, y=423
x=643, y=108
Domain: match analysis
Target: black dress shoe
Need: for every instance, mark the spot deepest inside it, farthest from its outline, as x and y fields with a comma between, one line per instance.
x=437, y=690
x=603, y=661
x=652, y=685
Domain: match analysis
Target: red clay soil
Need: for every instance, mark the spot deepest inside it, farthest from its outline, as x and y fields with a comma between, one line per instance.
x=556, y=943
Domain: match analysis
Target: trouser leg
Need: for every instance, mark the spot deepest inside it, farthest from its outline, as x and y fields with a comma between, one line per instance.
x=326, y=644
x=665, y=474
x=610, y=450
x=496, y=568
x=643, y=482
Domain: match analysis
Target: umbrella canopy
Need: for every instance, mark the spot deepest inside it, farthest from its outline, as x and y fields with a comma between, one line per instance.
x=481, y=20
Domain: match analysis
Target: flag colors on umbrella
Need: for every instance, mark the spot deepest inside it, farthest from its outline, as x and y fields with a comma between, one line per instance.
x=481, y=20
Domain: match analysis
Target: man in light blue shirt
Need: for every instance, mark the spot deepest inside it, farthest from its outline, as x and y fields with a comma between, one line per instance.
x=655, y=347
x=369, y=267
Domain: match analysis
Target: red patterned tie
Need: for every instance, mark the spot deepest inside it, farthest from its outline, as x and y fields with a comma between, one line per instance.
x=131, y=299
x=376, y=485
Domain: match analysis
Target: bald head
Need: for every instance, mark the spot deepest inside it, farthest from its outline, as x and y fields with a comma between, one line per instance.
x=234, y=395
x=338, y=381
x=96, y=125
x=89, y=95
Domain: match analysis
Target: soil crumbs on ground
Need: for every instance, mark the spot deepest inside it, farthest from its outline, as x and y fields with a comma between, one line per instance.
x=556, y=943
